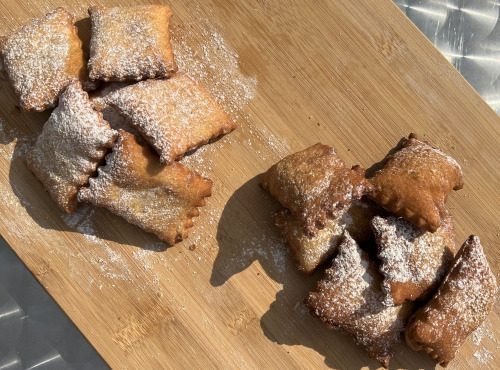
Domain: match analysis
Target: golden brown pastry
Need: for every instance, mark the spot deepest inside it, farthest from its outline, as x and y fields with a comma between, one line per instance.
x=130, y=43
x=460, y=305
x=72, y=144
x=311, y=251
x=308, y=252
x=158, y=198
x=174, y=115
x=315, y=185
x=349, y=299
x=413, y=261
x=42, y=58
x=414, y=183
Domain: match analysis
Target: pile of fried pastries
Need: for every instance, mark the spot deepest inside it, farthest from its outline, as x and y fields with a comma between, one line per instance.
x=119, y=147
x=396, y=267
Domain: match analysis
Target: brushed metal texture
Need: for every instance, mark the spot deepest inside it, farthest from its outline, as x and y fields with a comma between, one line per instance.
x=467, y=33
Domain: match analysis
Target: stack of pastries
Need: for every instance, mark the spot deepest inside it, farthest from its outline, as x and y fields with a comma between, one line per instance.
x=396, y=267
x=145, y=113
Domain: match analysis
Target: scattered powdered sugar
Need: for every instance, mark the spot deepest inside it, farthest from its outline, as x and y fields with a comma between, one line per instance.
x=460, y=306
x=214, y=64
x=484, y=331
x=483, y=356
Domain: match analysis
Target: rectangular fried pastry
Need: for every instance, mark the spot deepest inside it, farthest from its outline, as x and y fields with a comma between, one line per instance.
x=460, y=305
x=72, y=144
x=130, y=43
x=161, y=199
x=174, y=115
x=42, y=58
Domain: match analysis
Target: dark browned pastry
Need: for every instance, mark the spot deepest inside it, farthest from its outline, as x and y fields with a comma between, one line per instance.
x=460, y=305
x=349, y=298
x=414, y=183
x=311, y=251
x=315, y=185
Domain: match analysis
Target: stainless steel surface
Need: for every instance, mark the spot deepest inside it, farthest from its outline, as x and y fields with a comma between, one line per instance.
x=34, y=332
x=467, y=32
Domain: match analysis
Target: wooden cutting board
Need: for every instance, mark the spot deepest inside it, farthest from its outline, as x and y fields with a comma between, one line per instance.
x=356, y=75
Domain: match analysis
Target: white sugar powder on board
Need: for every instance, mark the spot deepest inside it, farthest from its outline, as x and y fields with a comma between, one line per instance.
x=214, y=64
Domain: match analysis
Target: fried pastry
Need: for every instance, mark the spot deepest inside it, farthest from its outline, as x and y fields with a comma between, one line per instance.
x=42, y=58
x=413, y=261
x=315, y=185
x=174, y=115
x=349, y=299
x=414, y=183
x=72, y=144
x=130, y=43
x=460, y=305
x=310, y=252
x=158, y=198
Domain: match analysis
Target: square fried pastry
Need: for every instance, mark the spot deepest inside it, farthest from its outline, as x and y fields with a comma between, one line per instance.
x=413, y=261
x=174, y=115
x=161, y=199
x=42, y=58
x=460, y=305
x=349, y=299
x=414, y=183
x=315, y=185
x=72, y=144
x=311, y=251
x=130, y=43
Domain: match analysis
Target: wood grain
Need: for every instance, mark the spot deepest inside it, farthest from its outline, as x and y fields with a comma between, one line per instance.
x=356, y=75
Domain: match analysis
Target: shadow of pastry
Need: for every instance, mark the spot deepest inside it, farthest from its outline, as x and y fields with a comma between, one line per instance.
x=245, y=234
x=84, y=32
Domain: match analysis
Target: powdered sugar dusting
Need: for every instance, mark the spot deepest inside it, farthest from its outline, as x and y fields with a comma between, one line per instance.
x=412, y=256
x=36, y=59
x=461, y=304
x=130, y=43
x=349, y=298
x=73, y=142
x=214, y=64
x=174, y=115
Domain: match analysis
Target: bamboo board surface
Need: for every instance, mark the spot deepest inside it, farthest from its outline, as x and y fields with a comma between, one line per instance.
x=356, y=75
